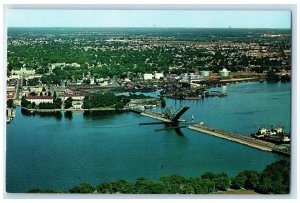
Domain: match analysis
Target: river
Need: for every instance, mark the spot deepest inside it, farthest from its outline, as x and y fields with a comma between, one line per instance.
x=60, y=152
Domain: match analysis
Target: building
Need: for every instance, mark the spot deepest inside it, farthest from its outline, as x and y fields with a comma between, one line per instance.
x=158, y=75
x=224, y=72
x=40, y=99
x=23, y=71
x=205, y=73
x=148, y=76
x=77, y=104
x=74, y=96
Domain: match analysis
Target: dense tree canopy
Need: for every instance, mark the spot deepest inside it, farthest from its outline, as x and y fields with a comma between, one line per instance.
x=274, y=179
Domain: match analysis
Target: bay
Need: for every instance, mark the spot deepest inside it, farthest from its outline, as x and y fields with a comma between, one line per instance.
x=60, y=152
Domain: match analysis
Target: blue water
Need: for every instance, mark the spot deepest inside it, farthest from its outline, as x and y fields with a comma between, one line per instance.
x=53, y=152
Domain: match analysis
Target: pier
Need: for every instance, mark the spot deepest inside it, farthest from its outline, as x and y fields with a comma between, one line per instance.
x=171, y=116
x=249, y=141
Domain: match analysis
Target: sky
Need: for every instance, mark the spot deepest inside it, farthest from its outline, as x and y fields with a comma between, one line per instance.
x=147, y=18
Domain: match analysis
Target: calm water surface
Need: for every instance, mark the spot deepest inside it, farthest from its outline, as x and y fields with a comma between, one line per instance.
x=60, y=152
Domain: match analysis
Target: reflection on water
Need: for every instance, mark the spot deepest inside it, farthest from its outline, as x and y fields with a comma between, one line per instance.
x=68, y=115
x=57, y=115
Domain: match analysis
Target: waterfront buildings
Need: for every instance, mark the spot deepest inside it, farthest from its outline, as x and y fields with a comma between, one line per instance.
x=39, y=99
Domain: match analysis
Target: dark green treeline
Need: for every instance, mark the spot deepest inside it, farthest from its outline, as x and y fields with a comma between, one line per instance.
x=274, y=179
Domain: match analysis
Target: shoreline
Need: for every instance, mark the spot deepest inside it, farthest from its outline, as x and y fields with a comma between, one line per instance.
x=73, y=110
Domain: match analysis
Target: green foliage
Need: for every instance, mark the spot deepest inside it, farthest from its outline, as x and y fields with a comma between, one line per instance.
x=173, y=184
x=119, y=186
x=203, y=186
x=82, y=188
x=54, y=95
x=55, y=105
x=275, y=179
x=33, y=82
x=24, y=102
x=145, y=186
x=68, y=103
x=107, y=99
x=10, y=103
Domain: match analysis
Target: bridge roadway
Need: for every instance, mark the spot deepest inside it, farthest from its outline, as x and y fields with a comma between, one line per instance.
x=156, y=116
x=249, y=141
x=245, y=140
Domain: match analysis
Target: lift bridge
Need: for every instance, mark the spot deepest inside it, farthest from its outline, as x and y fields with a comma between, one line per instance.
x=169, y=116
x=174, y=115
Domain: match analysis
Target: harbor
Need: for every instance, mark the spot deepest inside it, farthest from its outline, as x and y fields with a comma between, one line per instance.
x=115, y=143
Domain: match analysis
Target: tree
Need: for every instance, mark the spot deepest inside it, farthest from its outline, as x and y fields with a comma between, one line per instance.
x=119, y=106
x=54, y=95
x=123, y=186
x=57, y=103
x=248, y=179
x=145, y=186
x=275, y=178
x=82, y=188
x=24, y=102
x=68, y=103
x=49, y=93
x=173, y=184
x=10, y=103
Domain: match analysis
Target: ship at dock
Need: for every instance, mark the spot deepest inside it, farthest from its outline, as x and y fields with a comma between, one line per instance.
x=275, y=135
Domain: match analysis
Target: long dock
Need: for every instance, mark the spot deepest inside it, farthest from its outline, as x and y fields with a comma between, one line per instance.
x=249, y=141
x=234, y=137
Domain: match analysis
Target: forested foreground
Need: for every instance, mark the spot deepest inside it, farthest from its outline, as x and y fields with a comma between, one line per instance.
x=274, y=179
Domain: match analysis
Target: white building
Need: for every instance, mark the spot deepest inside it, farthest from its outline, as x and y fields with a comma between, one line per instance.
x=73, y=96
x=148, y=76
x=23, y=71
x=158, y=75
x=205, y=73
x=77, y=104
x=40, y=99
x=224, y=72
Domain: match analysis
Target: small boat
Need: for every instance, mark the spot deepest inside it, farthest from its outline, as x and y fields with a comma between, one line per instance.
x=193, y=118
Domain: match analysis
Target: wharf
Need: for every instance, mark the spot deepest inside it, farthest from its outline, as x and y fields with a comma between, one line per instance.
x=249, y=141
x=73, y=110
x=240, y=79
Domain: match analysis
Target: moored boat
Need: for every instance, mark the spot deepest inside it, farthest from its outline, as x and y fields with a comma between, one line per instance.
x=274, y=135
